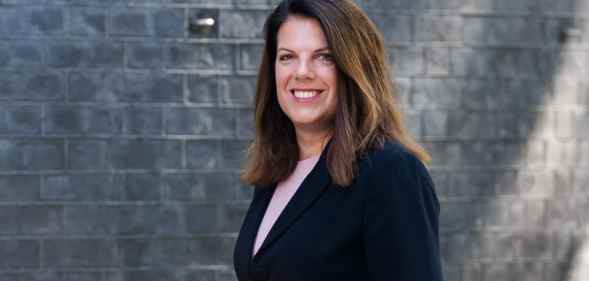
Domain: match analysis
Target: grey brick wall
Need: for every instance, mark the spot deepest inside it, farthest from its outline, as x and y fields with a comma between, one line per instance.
x=122, y=132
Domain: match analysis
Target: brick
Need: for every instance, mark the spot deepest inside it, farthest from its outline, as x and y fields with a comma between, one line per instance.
x=579, y=181
x=30, y=155
x=169, y=22
x=571, y=124
x=47, y=20
x=208, y=3
x=378, y=5
x=407, y=61
x=203, y=89
x=237, y=91
x=150, y=220
x=142, y=120
x=142, y=187
x=444, y=152
x=456, y=5
x=395, y=28
x=471, y=125
x=210, y=122
x=90, y=220
x=31, y=275
x=5, y=56
x=441, y=181
x=130, y=22
x=232, y=216
x=567, y=90
x=245, y=123
x=583, y=154
x=454, y=220
x=413, y=122
x=202, y=187
x=522, y=93
x=83, y=187
x=145, y=55
x=154, y=275
x=24, y=54
x=19, y=254
x=145, y=154
x=441, y=93
x=516, y=125
x=15, y=21
x=32, y=85
x=153, y=87
x=20, y=119
x=189, y=252
x=139, y=252
x=95, y=54
x=520, y=6
x=89, y=154
x=227, y=246
x=200, y=56
x=82, y=120
x=472, y=62
x=474, y=184
x=90, y=253
x=244, y=192
x=464, y=241
x=226, y=275
x=564, y=6
x=130, y=87
x=438, y=28
x=203, y=154
x=233, y=153
x=253, y=2
x=19, y=188
x=81, y=276
x=88, y=21
x=30, y=220
x=250, y=56
x=502, y=31
x=106, y=54
x=241, y=24
x=477, y=153
x=202, y=218
x=437, y=61
x=67, y=55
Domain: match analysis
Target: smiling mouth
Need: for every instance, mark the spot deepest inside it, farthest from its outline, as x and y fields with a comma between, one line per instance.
x=305, y=94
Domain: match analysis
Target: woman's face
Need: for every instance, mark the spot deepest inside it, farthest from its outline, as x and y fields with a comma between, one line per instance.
x=306, y=75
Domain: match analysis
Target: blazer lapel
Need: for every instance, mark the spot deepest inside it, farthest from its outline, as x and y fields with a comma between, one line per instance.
x=252, y=222
x=311, y=188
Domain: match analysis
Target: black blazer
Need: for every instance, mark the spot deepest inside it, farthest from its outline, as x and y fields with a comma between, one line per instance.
x=383, y=227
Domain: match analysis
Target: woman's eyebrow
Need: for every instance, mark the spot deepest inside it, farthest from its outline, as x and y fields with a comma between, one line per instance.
x=316, y=51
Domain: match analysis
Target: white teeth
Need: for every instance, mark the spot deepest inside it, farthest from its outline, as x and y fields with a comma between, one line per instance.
x=305, y=94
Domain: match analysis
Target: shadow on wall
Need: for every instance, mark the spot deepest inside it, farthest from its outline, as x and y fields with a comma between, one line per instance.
x=496, y=91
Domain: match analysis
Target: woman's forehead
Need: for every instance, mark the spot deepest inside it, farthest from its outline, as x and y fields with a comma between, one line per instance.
x=303, y=33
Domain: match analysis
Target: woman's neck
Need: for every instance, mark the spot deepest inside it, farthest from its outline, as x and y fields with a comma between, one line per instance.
x=311, y=143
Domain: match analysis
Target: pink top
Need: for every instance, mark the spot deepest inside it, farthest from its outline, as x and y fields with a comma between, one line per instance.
x=283, y=193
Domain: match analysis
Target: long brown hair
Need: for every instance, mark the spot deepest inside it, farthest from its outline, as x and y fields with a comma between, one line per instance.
x=366, y=115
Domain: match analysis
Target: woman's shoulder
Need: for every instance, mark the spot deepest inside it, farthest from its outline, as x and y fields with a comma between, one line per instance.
x=392, y=161
x=391, y=152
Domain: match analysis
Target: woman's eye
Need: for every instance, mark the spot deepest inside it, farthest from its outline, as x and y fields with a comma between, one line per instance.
x=326, y=57
x=285, y=57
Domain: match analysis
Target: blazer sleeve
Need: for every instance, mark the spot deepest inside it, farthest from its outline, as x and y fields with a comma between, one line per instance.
x=400, y=227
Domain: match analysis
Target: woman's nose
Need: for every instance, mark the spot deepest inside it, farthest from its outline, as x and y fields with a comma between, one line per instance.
x=304, y=71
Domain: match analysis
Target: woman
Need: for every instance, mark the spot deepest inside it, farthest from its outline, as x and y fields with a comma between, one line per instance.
x=341, y=192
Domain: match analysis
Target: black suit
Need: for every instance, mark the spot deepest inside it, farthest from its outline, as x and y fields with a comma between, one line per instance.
x=383, y=227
